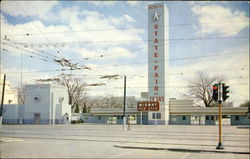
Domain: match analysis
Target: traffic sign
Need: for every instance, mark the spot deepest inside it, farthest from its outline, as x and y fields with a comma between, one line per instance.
x=148, y=106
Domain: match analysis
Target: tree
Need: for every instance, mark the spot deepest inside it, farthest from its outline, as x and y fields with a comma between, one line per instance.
x=76, y=90
x=112, y=102
x=201, y=87
x=246, y=104
x=77, y=108
x=84, y=110
x=20, y=94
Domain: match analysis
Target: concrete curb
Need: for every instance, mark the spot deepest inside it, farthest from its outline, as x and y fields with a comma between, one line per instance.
x=178, y=149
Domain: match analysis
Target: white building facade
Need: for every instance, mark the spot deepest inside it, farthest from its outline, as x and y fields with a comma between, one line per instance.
x=46, y=104
x=158, y=61
x=10, y=94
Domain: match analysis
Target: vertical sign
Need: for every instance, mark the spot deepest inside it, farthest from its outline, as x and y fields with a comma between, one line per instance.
x=158, y=56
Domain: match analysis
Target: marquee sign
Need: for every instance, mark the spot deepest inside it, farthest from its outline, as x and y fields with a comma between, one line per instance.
x=148, y=106
x=158, y=52
x=158, y=61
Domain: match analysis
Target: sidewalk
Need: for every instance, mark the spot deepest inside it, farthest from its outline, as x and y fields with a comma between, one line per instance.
x=184, y=148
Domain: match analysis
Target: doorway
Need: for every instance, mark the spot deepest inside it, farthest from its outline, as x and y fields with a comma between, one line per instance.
x=37, y=118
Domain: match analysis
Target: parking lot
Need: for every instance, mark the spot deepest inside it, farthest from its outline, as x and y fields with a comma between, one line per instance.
x=111, y=141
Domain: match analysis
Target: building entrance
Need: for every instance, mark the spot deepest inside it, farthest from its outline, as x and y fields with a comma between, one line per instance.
x=37, y=118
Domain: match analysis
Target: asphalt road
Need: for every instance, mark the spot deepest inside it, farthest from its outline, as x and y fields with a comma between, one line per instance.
x=103, y=141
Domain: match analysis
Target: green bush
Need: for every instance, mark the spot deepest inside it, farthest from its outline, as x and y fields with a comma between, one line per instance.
x=77, y=121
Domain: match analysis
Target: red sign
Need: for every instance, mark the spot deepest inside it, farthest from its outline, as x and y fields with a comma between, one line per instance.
x=148, y=106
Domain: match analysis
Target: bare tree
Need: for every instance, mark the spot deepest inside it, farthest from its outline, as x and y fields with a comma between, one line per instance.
x=76, y=90
x=131, y=102
x=20, y=95
x=94, y=102
x=112, y=102
x=201, y=87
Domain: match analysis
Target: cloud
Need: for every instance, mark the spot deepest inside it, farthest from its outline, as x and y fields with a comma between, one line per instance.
x=76, y=20
x=218, y=19
x=133, y=3
x=13, y=76
x=110, y=53
x=28, y=8
x=135, y=84
x=121, y=20
x=103, y=3
x=128, y=18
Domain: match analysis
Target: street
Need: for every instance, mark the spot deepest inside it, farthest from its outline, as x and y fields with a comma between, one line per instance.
x=111, y=141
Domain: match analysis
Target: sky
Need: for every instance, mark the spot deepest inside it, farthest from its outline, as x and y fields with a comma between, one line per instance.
x=110, y=38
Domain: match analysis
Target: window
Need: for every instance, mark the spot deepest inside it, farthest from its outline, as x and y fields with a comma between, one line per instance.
x=158, y=115
x=212, y=117
x=99, y=117
x=153, y=115
x=207, y=117
x=183, y=117
x=237, y=118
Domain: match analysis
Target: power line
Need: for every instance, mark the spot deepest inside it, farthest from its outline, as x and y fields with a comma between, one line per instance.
x=110, y=29
x=41, y=59
x=30, y=52
x=34, y=24
x=135, y=41
x=25, y=47
x=240, y=52
x=145, y=87
x=102, y=55
x=176, y=59
x=138, y=62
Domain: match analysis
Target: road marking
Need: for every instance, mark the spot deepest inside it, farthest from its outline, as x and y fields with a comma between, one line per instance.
x=122, y=154
x=186, y=155
x=10, y=140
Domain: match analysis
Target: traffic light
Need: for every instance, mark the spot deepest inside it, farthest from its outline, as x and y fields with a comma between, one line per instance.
x=215, y=92
x=224, y=92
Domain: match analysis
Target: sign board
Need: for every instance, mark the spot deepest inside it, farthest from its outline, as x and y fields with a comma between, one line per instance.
x=148, y=106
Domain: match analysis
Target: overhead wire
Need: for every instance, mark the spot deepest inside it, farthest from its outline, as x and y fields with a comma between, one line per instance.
x=119, y=28
x=34, y=24
x=145, y=40
x=32, y=48
x=29, y=51
x=87, y=58
x=176, y=59
x=28, y=55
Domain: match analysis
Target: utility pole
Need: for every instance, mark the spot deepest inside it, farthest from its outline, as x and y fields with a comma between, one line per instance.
x=220, y=146
x=21, y=79
x=1, y=110
x=21, y=82
x=124, y=105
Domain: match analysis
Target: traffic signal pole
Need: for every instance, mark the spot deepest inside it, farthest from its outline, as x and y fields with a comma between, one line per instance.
x=220, y=146
x=220, y=93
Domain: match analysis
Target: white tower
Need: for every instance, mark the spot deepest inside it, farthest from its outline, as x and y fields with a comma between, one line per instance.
x=158, y=61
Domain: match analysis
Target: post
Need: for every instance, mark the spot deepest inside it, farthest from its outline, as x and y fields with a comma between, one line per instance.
x=21, y=81
x=1, y=110
x=129, y=122
x=220, y=146
x=155, y=119
x=124, y=105
x=141, y=118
